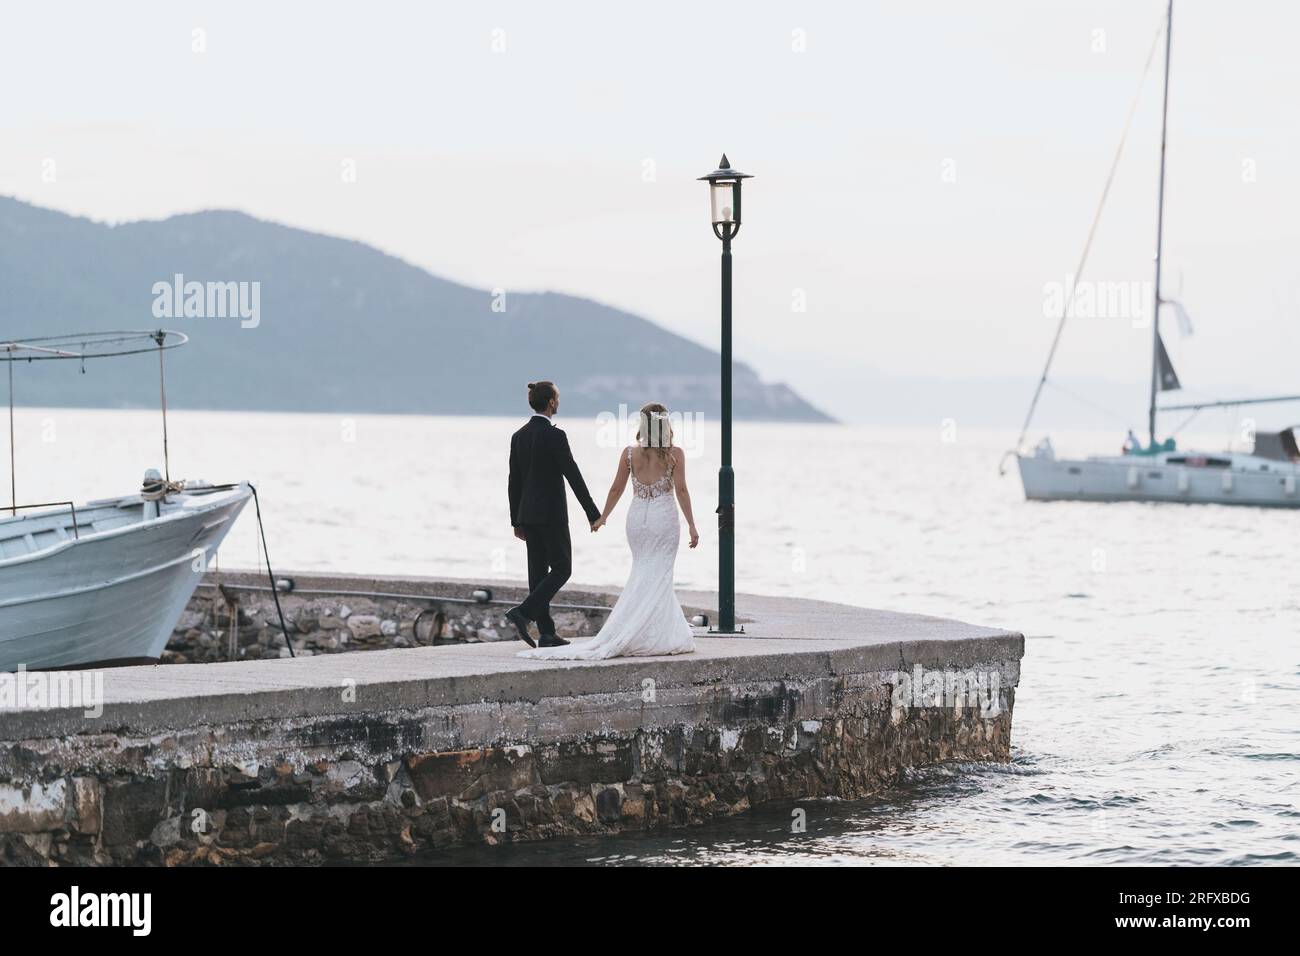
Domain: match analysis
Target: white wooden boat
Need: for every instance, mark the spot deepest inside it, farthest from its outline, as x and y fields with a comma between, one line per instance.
x=105, y=583
x=1159, y=471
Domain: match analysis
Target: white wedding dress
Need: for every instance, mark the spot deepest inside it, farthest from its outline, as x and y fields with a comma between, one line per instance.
x=647, y=619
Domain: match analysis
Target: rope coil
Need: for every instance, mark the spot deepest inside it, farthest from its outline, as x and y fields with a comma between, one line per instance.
x=157, y=489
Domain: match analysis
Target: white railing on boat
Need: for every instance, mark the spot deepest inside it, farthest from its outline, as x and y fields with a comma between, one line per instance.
x=71, y=506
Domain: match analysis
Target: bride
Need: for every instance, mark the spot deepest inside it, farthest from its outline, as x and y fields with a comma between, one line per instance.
x=647, y=619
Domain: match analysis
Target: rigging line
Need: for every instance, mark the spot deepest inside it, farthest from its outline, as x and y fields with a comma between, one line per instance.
x=1195, y=405
x=162, y=392
x=1118, y=416
x=1092, y=232
x=13, y=480
x=86, y=339
x=88, y=345
x=1185, y=422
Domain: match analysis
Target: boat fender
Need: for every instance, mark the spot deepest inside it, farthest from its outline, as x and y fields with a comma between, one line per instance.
x=1289, y=486
x=1227, y=481
x=1184, y=481
x=1132, y=478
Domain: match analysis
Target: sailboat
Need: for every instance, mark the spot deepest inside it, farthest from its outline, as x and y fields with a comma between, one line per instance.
x=1160, y=471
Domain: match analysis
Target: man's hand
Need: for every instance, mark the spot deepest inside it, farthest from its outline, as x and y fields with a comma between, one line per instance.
x=519, y=533
x=597, y=524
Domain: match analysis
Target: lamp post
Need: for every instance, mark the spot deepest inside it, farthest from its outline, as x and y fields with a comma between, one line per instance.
x=724, y=204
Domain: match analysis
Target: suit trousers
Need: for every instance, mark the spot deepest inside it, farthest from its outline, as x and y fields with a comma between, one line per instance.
x=550, y=562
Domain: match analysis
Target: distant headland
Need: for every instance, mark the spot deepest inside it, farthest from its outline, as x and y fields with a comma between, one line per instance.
x=339, y=326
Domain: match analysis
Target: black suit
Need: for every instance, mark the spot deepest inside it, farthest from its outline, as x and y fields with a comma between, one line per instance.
x=540, y=462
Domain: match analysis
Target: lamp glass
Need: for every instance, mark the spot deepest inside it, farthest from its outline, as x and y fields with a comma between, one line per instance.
x=722, y=201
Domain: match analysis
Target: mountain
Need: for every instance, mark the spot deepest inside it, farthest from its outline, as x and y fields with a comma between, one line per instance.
x=342, y=327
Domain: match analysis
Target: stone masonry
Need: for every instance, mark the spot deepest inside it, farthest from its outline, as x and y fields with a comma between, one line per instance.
x=399, y=753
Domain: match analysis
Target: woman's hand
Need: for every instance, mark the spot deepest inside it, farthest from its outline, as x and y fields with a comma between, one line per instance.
x=598, y=523
x=695, y=536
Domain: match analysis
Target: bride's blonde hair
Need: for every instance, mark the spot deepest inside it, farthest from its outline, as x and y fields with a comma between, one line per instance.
x=655, y=432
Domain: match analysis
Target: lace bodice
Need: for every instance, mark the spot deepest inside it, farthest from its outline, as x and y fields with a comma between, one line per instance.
x=656, y=488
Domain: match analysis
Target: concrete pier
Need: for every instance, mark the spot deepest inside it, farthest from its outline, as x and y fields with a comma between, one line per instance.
x=387, y=754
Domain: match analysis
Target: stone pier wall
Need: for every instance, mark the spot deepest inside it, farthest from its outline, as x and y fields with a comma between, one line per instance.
x=371, y=789
x=227, y=620
x=390, y=755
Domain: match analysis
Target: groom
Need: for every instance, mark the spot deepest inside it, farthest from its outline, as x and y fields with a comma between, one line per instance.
x=540, y=461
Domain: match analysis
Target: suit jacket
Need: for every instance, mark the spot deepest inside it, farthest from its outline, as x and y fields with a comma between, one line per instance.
x=540, y=462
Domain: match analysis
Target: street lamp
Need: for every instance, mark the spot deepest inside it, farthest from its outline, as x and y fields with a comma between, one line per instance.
x=724, y=205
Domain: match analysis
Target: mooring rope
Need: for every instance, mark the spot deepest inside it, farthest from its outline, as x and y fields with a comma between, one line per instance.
x=159, y=489
x=275, y=592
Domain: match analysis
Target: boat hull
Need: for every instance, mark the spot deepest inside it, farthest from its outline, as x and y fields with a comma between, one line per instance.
x=110, y=597
x=1135, y=479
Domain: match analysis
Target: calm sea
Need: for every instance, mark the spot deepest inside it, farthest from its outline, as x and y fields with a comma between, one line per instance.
x=1157, y=721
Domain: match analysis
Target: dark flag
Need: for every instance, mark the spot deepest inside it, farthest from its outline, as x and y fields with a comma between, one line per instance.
x=1165, y=368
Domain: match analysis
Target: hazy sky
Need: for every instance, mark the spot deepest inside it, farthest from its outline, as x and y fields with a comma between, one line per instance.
x=923, y=170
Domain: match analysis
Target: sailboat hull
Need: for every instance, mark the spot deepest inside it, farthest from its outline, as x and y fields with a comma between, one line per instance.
x=1137, y=478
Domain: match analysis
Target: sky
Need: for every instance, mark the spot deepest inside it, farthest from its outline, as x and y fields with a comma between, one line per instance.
x=925, y=172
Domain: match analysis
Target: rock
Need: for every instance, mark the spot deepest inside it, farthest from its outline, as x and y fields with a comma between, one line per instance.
x=365, y=626
x=609, y=804
x=469, y=774
x=32, y=809
x=388, y=628
x=132, y=810
x=84, y=806
x=167, y=833
x=633, y=806
x=190, y=620
x=344, y=775
x=584, y=808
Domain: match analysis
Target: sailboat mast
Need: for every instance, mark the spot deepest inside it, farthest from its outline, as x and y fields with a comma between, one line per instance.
x=1160, y=235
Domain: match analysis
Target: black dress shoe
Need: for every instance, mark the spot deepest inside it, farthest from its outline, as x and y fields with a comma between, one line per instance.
x=516, y=617
x=551, y=640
